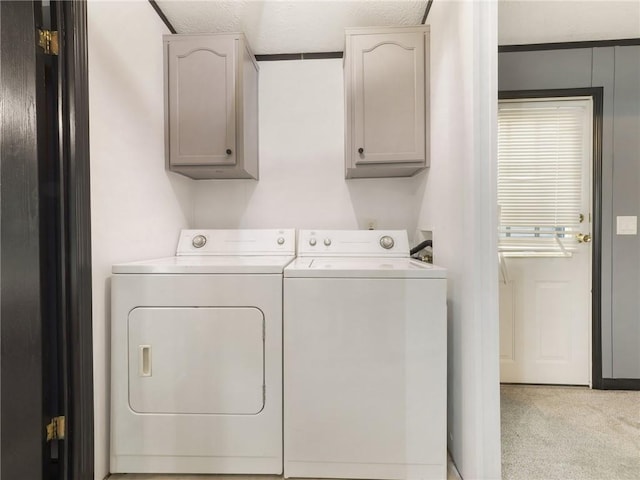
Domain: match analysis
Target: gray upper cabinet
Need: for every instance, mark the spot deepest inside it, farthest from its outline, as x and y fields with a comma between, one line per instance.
x=211, y=106
x=387, y=101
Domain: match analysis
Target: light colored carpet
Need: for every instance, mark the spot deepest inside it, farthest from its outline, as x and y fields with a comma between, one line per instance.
x=569, y=433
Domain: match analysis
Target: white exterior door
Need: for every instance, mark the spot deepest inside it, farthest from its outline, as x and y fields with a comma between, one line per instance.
x=544, y=191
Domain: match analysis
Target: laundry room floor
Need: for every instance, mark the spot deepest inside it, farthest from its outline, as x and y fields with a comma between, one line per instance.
x=558, y=433
x=452, y=474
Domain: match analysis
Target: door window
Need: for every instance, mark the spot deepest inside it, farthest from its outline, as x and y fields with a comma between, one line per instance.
x=544, y=147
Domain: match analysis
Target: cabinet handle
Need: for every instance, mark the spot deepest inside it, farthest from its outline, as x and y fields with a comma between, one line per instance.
x=361, y=150
x=229, y=151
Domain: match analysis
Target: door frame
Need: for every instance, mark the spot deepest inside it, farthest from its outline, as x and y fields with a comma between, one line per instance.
x=73, y=132
x=597, y=94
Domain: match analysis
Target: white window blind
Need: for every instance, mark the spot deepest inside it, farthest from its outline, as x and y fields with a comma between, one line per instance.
x=544, y=151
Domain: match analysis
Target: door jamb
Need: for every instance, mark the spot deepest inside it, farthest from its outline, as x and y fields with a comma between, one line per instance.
x=76, y=226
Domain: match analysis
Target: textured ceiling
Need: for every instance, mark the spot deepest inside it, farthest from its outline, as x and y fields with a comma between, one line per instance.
x=566, y=21
x=288, y=26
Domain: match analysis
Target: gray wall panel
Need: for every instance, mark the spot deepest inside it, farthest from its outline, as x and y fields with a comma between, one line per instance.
x=603, y=75
x=626, y=201
x=545, y=69
x=617, y=70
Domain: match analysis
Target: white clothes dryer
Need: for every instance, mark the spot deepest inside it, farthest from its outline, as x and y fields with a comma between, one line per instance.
x=196, y=356
x=365, y=369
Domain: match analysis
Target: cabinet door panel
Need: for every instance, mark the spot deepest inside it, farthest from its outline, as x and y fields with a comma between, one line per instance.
x=389, y=103
x=202, y=102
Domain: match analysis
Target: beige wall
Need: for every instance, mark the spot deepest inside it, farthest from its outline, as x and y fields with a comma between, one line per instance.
x=137, y=209
x=302, y=182
x=460, y=208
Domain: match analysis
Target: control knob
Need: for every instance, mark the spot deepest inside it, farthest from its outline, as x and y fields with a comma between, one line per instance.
x=387, y=242
x=199, y=241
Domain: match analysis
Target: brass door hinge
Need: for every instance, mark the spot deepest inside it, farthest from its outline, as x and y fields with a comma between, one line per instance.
x=48, y=40
x=56, y=429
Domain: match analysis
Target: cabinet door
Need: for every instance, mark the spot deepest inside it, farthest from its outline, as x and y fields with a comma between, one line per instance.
x=202, y=116
x=388, y=75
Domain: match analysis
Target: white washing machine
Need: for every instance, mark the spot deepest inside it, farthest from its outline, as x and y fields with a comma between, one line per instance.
x=365, y=369
x=196, y=356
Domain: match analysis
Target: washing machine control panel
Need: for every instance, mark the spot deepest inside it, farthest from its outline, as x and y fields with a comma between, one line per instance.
x=237, y=242
x=353, y=243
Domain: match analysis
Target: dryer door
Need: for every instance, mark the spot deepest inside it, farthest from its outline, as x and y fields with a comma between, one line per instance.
x=196, y=360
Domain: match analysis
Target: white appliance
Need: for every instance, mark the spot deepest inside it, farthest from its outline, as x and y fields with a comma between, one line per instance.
x=196, y=356
x=365, y=369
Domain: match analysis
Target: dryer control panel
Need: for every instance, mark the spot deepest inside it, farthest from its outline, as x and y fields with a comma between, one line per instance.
x=237, y=242
x=353, y=243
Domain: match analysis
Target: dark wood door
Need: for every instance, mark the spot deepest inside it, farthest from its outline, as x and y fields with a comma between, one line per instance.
x=45, y=268
x=22, y=440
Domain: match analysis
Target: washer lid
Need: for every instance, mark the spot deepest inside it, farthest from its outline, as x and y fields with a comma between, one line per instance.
x=207, y=265
x=360, y=267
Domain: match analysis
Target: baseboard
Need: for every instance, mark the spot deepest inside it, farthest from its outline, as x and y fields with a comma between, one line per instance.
x=619, y=384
